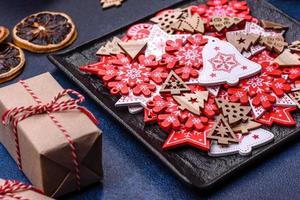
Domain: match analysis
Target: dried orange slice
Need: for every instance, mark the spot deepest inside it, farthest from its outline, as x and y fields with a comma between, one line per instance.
x=12, y=61
x=45, y=32
x=4, y=32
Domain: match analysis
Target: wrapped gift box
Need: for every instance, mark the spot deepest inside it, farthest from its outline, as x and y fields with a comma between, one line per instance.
x=45, y=153
x=12, y=190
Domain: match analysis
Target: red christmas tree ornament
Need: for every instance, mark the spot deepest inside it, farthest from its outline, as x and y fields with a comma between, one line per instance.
x=278, y=115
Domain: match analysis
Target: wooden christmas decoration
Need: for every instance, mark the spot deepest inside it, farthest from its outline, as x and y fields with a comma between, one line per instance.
x=133, y=48
x=295, y=96
x=275, y=43
x=242, y=41
x=110, y=3
x=166, y=19
x=224, y=22
x=295, y=46
x=192, y=101
x=110, y=48
x=272, y=25
x=233, y=111
x=191, y=23
x=223, y=63
x=245, y=127
x=174, y=84
x=222, y=132
x=287, y=58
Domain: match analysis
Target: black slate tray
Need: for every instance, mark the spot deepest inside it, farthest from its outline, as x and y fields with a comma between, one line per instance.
x=191, y=165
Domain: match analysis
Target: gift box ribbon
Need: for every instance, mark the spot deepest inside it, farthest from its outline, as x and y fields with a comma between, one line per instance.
x=15, y=115
x=9, y=187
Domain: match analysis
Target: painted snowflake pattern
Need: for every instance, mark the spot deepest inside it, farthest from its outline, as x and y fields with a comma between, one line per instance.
x=257, y=84
x=224, y=62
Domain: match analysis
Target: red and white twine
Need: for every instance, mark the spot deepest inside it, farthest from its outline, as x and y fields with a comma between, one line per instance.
x=10, y=187
x=15, y=115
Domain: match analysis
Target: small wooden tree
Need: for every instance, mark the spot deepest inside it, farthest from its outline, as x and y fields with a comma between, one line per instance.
x=233, y=111
x=192, y=101
x=222, y=133
x=174, y=84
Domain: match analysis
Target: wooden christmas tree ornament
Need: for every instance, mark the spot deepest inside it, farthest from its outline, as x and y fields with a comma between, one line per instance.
x=110, y=3
x=272, y=25
x=242, y=41
x=192, y=23
x=295, y=96
x=287, y=58
x=110, y=48
x=166, y=19
x=275, y=43
x=192, y=101
x=174, y=84
x=219, y=23
x=233, y=111
x=245, y=127
x=133, y=48
x=295, y=46
x=222, y=132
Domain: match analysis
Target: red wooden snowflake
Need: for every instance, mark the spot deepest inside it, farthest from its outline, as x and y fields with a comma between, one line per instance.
x=257, y=84
x=279, y=86
x=264, y=99
x=195, y=122
x=185, y=58
x=293, y=73
x=238, y=95
x=157, y=104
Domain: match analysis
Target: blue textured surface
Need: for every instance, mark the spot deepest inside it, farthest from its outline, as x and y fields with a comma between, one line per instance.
x=130, y=171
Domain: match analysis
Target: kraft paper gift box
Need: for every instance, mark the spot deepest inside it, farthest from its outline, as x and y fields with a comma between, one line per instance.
x=12, y=190
x=45, y=153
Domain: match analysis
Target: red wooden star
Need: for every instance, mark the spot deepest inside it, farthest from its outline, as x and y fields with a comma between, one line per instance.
x=194, y=138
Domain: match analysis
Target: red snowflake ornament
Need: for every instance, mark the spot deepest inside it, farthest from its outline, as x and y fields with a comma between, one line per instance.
x=293, y=73
x=200, y=9
x=158, y=104
x=264, y=99
x=195, y=122
x=238, y=95
x=279, y=86
x=149, y=61
x=149, y=116
x=172, y=46
x=169, y=122
x=210, y=108
x=257, y=84
x=159, y=75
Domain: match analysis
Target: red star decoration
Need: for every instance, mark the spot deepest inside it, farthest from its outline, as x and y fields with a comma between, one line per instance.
x=279, y=115
x=194, y=138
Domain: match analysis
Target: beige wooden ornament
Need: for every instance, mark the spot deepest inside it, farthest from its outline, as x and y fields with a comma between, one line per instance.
x=295, y=46
x=295, y=96
x=192, y=101
x=245, y=127
x=242, y=41
x=110, y=3
x=190, y=23
x=273, y=43
x=287, y=58
x=174, y=84
x=166, y=19
x=233, y=111
x=272, y=25
x=133, y=48
x=222, y=133
x=225, y=22
x=110, y=48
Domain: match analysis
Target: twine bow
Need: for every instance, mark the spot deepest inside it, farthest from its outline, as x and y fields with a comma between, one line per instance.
x=9, y=187
x=15, y=115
